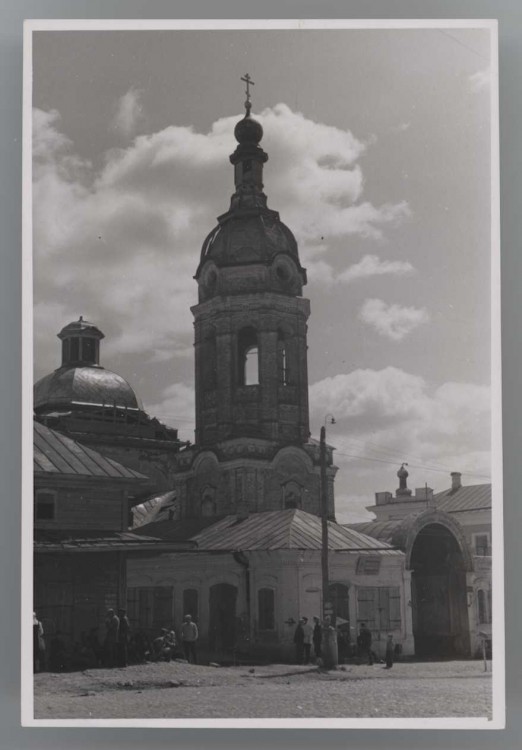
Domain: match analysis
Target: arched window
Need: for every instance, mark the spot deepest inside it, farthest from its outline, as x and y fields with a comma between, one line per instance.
x=292, y=493
x=482, y=607
x=248, y=357
x=208, y=506
x=266, y=609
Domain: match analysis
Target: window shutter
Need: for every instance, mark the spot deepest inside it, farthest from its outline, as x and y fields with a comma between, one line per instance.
x=367, y=606
x=395, y=608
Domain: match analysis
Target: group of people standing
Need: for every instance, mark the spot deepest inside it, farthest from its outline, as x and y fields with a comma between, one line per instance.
x=114, y=647
x=164, y=647
x=307, y=635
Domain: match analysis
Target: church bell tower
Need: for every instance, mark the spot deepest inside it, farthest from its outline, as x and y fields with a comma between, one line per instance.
x=253, y=451
x=250, y=323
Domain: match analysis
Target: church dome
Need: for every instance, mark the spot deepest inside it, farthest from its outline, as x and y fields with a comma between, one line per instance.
x=252, y=238
x=71, y=386
x=81, y=380
x=248, y=131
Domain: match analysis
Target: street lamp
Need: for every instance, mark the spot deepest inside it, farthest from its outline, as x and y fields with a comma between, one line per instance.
x=329, y=644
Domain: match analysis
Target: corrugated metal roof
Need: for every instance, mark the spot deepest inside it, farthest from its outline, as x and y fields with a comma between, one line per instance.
x=284, y=529
x=51, y=540
x=176, y=531
x=472, y=497
x=381, y=530
x=55, y=453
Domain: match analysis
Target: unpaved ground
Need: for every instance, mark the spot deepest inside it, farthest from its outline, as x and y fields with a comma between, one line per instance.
x=177, y=690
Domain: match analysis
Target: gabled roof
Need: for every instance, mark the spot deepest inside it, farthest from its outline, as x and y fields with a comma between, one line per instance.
x=473, y=497
x=271, y=530
x=57, y=454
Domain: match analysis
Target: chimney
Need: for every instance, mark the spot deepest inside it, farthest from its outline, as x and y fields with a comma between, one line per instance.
x=456, y=483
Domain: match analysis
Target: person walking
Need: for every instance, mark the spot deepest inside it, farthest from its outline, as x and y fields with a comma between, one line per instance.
x=390, y=651
x=38, y=645
x=123, y=638
x=307, y=640
x=364, y=642
x=112, y=627
x=189, y=637
x=317, y=637
x=299, y=641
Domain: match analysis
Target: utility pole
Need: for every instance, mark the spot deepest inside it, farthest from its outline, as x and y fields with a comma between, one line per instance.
x=329, y=644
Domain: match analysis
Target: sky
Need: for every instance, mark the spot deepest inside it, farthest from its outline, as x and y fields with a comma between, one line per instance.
x=379, y=162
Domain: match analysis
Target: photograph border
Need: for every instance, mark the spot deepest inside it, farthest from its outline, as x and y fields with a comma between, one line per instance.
x=498, y=678
x=510, y=38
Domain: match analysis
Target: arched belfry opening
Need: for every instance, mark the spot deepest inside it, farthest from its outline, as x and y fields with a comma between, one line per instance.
x=439, y=594
x=248, y=357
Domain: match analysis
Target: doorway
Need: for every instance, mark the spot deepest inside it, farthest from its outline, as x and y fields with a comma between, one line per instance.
x=222, y=617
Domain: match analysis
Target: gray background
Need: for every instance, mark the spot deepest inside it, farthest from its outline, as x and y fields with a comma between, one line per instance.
x=11, y=17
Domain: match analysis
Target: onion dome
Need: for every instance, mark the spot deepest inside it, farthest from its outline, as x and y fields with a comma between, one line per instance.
x=248, y=131
x=81, y=381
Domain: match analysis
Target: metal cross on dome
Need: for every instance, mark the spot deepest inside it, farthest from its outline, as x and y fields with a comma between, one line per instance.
x=249, y=82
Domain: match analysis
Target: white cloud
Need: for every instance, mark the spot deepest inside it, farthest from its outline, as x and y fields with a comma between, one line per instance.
x=480, y=80
x=371, y=265
x=392, y=321
x=121, y=243
x=384, y=417
x=129, y=113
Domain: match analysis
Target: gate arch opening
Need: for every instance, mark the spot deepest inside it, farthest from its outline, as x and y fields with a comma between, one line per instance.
x=439, y=594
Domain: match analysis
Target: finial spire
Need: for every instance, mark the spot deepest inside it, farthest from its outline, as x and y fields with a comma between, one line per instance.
x=249, y=82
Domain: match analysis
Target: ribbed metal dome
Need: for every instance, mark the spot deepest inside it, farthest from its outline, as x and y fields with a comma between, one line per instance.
x=70, y=386
x=257, y=237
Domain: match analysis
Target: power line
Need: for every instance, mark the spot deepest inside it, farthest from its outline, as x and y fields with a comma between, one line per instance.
x=414, y=466
x=400, y=454
x=385, y=451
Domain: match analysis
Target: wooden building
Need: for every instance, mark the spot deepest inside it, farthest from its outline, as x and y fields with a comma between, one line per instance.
x=82, y=504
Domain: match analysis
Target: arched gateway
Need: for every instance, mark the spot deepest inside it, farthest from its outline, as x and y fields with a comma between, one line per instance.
x=439, y=559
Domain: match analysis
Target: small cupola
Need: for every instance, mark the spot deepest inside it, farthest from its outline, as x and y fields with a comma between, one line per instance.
x=403, y=485
x=248, y=159
x=80, y=344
